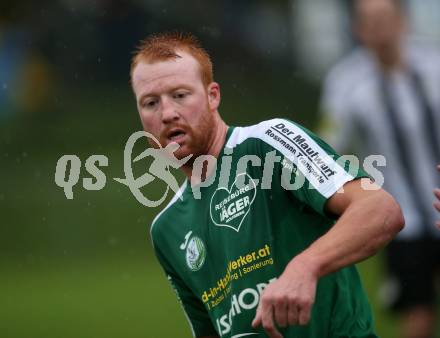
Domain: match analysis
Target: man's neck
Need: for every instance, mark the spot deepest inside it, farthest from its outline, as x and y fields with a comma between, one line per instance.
x=214, y=148
x=390, y=58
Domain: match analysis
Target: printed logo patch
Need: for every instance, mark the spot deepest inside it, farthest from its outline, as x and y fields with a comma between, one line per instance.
x=229, y=207
x=195, y=253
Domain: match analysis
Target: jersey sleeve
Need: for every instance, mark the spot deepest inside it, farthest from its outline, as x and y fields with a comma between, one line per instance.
x=309, y=168
x=193, y=307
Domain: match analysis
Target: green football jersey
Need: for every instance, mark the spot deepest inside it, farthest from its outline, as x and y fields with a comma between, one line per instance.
x=220, y=245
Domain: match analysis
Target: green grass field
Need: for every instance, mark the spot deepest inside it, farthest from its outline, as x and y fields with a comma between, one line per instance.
x=96, y=297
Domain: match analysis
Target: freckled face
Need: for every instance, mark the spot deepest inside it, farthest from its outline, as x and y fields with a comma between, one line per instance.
x=174, y=104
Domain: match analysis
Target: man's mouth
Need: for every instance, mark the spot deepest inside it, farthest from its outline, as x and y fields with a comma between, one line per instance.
x=175, y=135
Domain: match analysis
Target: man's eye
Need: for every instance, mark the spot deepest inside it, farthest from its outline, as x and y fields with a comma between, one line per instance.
x=149, y=104
x=180, y=95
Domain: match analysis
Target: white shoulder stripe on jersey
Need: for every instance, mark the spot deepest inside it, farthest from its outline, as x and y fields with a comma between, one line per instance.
x=173, y=200
x=320, y=169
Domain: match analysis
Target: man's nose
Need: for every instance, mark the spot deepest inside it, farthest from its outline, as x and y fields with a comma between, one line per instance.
x=169, y=111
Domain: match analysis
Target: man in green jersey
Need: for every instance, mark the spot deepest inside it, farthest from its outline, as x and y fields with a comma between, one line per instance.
x=262, y=237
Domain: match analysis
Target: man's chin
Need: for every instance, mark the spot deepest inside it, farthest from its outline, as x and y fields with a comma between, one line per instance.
x=182, y=152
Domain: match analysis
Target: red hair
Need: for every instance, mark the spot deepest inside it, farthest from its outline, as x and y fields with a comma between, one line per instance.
x=164, y=46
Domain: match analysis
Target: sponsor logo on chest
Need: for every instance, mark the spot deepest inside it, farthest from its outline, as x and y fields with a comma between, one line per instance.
x=229, y=207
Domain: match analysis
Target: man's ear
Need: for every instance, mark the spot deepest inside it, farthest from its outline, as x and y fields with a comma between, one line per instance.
x=213, y=95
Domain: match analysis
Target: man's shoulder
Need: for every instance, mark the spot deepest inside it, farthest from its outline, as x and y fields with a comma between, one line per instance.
x=164, y=219
x=348, y=70
x=260, y=133
x=423, y=55
x=349, y=80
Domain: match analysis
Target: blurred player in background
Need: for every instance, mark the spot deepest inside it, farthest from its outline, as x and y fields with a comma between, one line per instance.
x=384, y=98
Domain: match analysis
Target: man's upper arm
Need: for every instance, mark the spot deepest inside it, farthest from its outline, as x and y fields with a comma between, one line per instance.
x=350, y=192
x=361, y=191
